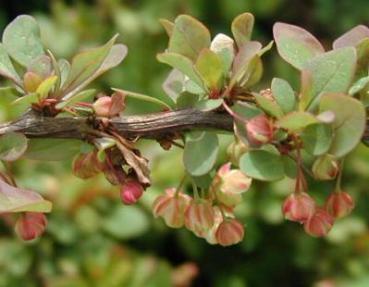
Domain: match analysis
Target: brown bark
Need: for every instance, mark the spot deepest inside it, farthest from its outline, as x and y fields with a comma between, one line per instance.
x=154, y=126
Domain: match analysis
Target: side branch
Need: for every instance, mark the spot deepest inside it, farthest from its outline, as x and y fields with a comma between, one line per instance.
x=154, y=126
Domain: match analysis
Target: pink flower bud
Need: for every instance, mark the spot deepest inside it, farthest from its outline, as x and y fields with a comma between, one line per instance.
x=325, y=167
x=131, y=191
x=339, y=204
x=109, y=106
x=171, y=207
x=228, y=185
x=298, y=207
x=199, y=217
x=260, y=130
x=30, y=225
x=86, y=165
x=319, y=224
x=102, y=106
x=229, y=232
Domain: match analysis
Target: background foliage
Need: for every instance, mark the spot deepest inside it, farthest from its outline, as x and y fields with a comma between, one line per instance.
x=92, y=240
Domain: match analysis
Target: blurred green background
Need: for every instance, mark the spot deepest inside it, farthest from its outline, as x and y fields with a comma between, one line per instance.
x=92, y=240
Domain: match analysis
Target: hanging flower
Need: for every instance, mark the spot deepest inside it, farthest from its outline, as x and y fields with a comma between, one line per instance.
x=200, y=217
x=171, y=207
x=229, y=184
x=319, y=224
x=298, y=206
x=339, y=204
x=229, y=232
x=30, y=225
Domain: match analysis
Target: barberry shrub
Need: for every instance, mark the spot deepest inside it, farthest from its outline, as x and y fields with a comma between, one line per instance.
x=278, y=132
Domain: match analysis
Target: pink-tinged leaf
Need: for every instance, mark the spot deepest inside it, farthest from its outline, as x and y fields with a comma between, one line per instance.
x=352, y=38
x=189, y=37
x=14, y=199
x=242, y=61
x=296, y=45
x=330, y=72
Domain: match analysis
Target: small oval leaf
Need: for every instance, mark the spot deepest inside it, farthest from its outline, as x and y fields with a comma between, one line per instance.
x=200, y=153
x=262, y=165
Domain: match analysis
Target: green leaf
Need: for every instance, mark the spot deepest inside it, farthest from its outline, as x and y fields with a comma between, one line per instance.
x=6, y=67
x=290, y=167
x=21, y=39
x=200, y=153
x=143, y=97
x=136, y=219
x=223, y=46
x=349, y=123
x=52, y=149
x=25, y=101
x=262, y=165
x=317, y=138
x=183, y=65
x=80, y=97
x=168, y=26
x=46, y=86
x=269, y=106
x=12, y=146
x=203, y=181
x=210, y=67
x=296, y=45
x=13, y=199
x=362, y=51
x=296, y=121
x=283, y=94
x=64, y=68
x=208, y=105
x=187, y=100
x=330, y=72
x=189, y=37
x=173, y=85
x=89, y=64
x=359, y=85
x=246, y=110
x=242, y=27
x=252, y=74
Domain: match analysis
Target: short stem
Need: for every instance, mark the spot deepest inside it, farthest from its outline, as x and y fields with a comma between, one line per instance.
x=9, y=173
x=195, y=190
x=180, y=185
x=232, y=113
x=339, y=177
x=177, y=144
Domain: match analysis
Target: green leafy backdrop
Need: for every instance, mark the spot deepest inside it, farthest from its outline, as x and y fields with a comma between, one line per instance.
x=92, y=240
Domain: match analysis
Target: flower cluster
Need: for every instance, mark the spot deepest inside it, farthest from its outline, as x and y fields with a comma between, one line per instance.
x=211, y=216
x=318, y=221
